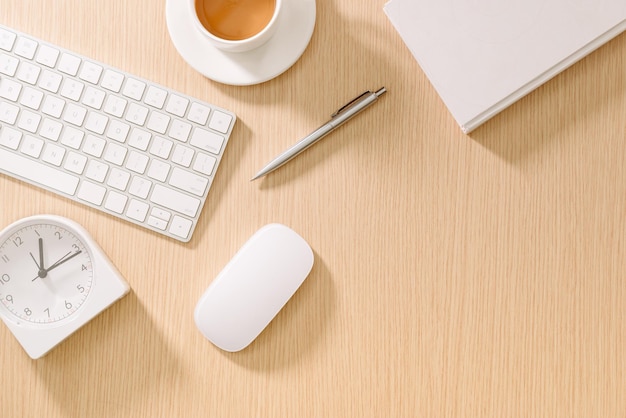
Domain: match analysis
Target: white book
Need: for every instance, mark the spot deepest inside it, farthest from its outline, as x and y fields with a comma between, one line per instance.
x=483, y=55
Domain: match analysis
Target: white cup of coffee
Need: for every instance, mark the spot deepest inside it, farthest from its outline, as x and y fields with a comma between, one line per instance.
x=236, y=25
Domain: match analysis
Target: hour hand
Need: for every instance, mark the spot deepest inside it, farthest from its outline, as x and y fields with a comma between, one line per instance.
x=41, y=267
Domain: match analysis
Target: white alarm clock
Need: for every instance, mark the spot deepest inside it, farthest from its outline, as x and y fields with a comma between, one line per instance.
x=54, y=278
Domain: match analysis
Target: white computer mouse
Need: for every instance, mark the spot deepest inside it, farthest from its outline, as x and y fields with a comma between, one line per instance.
x=253, y=287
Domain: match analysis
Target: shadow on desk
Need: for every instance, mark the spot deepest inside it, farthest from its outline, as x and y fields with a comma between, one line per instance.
x=564, y=104
x=113, y=356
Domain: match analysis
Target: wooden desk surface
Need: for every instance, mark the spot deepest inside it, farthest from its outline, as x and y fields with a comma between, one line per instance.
x=455, y=275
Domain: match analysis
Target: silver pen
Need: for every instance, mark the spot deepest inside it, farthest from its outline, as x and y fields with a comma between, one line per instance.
x=337, y=119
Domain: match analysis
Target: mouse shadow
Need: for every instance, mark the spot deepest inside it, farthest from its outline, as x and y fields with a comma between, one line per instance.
x=108, y=355
x=296, y=330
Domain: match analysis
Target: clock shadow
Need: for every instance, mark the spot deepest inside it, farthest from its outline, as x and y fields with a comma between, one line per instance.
x=121, y=355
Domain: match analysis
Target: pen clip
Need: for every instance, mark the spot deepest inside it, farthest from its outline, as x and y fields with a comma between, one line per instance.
x=349, y=104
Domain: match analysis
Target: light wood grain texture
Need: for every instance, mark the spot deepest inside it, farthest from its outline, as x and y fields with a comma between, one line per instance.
x=455, y=275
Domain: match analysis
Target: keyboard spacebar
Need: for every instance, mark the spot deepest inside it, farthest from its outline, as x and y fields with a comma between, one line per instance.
x=37, y=172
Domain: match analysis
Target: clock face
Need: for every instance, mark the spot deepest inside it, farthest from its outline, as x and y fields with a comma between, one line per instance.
x=46, y=273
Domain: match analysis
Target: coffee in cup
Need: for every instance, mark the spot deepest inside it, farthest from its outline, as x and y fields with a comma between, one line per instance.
x=237, y=25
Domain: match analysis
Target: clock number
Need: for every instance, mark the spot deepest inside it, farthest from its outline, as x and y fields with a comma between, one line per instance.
x=75, y=247
x=80, y=288
x=18, y=241
x=28, y=312
x=58, y=234
x=5, y=258
x=9, y=298
x=47, y=310
x=68, y=305
x=5, y=278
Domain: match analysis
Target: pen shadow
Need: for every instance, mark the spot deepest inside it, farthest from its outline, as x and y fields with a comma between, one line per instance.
x=297, y=330
x=119, y=336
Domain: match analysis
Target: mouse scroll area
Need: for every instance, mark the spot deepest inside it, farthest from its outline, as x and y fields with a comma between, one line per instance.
x=253, y=287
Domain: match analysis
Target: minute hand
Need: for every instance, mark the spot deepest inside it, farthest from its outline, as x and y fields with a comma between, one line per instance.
x=63, y=260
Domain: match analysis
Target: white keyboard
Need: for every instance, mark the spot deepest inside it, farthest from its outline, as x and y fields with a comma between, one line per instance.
x=105, y=138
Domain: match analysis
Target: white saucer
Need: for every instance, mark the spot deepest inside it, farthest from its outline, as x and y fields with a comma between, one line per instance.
x=292, y=36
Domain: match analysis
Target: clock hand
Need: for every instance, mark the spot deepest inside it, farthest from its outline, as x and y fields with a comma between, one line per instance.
x=41, y=253
x=33, y=257
x=40, y=264
x=63, y=260
x=44, y=272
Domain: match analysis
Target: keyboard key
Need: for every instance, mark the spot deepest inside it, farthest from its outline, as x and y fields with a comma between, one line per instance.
x=29, y=121
x=204, y=164
x=177, y=105
x=74, y=114
x=96, y=122
x=207, y=141
x=28, y=73
x=133, y=88
x=7, y=39
x=53, y=154
x=157, y=223
x=137, y=162
x=72, y=137
x=75, y=162
x=182, y=155
x=53, y=106
x=175, y=200
x=155, y=97
x=25, y=47
x=118, y=179
x=8, y=113
x=140, y=187
x=72, y=89
x=97, y=171
x=93, y=97
x=198, y=113
x=180, y=226
x=69, y=64
x=90, y=72
x=158, y=122
x=188, y=182
x=10, y=89
x=8, y=64
x=50, y=81
x=139, y=139
x=220, y=121
x=116, y=202
x=47, y=56
x=112, y=80
x=10, y=138
x=115, y=154
x=91, y=192
x=137, y=210
x=37, y=172
x=50, y=129
x=31, y=146
x=31, y=98
x=180, y=130
x=115, y=106
x=137, y=114
x=118, y=131
x=94, y=146
x=161, y=147
x=158, y=170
